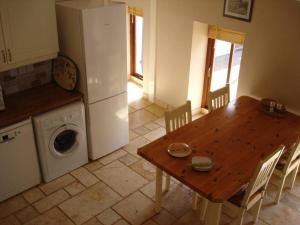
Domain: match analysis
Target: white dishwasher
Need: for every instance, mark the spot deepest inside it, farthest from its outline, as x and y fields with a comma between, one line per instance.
x=19, y=168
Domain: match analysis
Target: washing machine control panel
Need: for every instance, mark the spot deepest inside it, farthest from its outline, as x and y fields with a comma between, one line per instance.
x=55, y=122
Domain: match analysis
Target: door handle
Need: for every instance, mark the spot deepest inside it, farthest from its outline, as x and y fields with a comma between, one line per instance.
x=9, y=55
x=3, y=56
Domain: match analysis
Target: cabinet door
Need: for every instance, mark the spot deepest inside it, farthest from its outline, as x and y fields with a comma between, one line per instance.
x=29, y=28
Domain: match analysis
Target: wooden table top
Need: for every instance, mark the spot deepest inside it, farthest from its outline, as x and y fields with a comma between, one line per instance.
x=22, y=105
x=235, y=137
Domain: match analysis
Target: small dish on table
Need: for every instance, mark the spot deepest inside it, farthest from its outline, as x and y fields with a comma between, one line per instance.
x=179, y=150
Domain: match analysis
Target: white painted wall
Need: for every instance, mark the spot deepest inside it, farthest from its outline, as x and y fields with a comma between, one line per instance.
x=270, y=66
x=197, y=64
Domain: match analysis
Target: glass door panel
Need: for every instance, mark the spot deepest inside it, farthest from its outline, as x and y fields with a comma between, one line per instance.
x=139, y=45
x=220, y=64
x=235, y=69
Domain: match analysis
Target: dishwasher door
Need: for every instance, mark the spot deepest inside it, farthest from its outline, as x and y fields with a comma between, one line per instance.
x=19, y=168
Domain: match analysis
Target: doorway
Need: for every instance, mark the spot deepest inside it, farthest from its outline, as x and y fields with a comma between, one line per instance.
x=136, y=46
x=223, y=61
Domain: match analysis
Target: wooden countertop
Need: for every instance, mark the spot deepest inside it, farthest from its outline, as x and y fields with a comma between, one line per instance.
x=32, y=102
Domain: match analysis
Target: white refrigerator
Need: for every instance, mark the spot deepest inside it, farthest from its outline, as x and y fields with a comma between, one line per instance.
x=94, y=36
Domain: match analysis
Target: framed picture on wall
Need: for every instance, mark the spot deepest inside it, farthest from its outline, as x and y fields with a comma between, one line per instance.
x=238, y=9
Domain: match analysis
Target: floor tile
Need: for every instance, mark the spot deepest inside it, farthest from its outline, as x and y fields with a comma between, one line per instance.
x=57, y=184
x=51, y=201
x=92, y=221
x=121, y=222
x=131, y=109
x=132, y=135
x=155, y=134
x=94, y=165
x=139, y=104
x=27, y=214
x=144, y=168
x=52, y=217
x=189, y=218
x=150, y=222
x=136, y=208
x=135, y=144
x=141, y=130
x=161, y=121
x=90, y=202
x=128, y=159
x=120, y=178
x=139, y=118
x=74, y=188
x=278, y=214
x=33, y=195
x=164, y=218
x=10, y=220
x=12, y=205
x=156, y=110
x=108, y=217
x=85, y=177
x=112, y=157
x=177, y=200
x=151, y=126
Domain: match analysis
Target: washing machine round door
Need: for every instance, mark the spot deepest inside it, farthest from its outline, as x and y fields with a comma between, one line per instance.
x=65, y=140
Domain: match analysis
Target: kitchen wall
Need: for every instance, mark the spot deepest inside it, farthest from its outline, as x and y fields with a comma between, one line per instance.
x=270, y=65
x=26, y=77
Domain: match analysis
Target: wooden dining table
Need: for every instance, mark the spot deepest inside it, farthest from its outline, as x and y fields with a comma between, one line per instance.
x=236, y=137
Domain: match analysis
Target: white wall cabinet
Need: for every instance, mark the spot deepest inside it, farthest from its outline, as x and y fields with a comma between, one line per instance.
x=28, y=32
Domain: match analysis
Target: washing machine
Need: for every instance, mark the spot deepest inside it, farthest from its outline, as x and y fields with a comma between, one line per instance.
x=61, y=140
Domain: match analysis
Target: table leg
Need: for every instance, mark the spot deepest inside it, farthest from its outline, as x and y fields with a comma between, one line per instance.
x=213, y=213
x=158, y=190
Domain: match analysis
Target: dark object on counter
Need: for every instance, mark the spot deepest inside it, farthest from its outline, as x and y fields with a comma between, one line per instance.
x=65, y=72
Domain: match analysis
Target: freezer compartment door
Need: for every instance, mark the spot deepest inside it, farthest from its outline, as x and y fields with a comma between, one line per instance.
x=108, y=126
x=105, y=46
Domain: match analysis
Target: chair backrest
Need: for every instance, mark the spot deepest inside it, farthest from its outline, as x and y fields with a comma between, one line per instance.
x=178, y=117
x=218, y=98
x=293, y=155
x=262, y=175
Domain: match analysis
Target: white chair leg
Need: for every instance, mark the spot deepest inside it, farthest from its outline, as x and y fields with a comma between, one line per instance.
x=241, y=216
x=195, y=200
x=204, y=202
x=257, y=210
x=280, y=189
x=168, y=181
x=293, y=177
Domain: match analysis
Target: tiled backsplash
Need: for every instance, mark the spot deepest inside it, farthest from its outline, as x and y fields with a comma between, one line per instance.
x=25, y=77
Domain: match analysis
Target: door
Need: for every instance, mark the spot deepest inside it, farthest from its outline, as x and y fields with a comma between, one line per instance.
x=29, y=29
x=223, y=61
x=105, y=44
x=136, y=46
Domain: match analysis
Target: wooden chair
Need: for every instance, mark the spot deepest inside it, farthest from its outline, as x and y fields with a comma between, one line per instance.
x=288, y=164
x=255, y=190
x=218, y=98
x=175, y=119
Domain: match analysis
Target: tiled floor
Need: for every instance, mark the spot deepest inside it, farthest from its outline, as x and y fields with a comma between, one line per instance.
x=119, y=190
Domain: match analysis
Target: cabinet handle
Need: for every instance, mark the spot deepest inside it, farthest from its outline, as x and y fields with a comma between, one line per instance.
x=9, y=55
x=3, y=56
